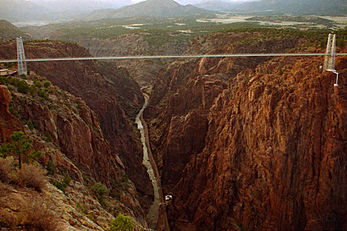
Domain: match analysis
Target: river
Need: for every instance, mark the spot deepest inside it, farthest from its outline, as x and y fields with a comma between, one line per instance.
x=149, y=163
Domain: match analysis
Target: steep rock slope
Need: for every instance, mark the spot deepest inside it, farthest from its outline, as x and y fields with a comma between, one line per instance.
x=274, y=156
x=258, y=145
x=106, y=89
x=183, y=94
x=68, y=134
x=8, y=122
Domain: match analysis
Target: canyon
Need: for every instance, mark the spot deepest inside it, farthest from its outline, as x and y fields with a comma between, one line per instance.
x=68, y=134
x=106, y=89
x=251, y=144
x=92, y=125
x=239, y=143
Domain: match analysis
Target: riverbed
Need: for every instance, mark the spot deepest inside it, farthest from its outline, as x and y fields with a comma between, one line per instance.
x=153, y=214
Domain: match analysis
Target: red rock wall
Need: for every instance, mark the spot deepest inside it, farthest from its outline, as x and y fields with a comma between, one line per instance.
x=264, y=149
x=8, y=122
x=275, y=155
x=107, y=90
x=76, y=146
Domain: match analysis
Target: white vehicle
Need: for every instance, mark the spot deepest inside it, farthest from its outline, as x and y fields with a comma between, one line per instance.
x=168, y=197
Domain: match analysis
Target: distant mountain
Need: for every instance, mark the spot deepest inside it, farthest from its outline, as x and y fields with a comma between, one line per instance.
x=52, y=10
x=81, y=6
x=295, y=7
x=21, y=10
x=9, y=31
x=217, y=5
x=150, y=8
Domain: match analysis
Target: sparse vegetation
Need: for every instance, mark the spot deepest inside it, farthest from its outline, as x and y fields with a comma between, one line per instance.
x=62, y=185
x=43, y=94
x=13, y=110
x=122, y=223
x=6, y=169
x=22, y=87
x=37, y=215
x=50, y=167
x=100, y=191
x=30, y=125
x=37, y=83
x=124, y=180
x=36, y=124
x=80, y=206
x=20, y=145
x=7, y=220
x=31, y=176
x=46, y=84
x=241, y=227
x=48, y=137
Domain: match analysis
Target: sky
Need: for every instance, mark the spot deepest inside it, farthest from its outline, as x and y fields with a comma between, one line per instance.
x=195, y=1
x=136, y=1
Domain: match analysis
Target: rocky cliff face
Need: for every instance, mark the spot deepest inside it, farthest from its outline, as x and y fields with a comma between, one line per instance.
x=255, y=144
x=8, y=122
x=68, y=134
x=107, y=90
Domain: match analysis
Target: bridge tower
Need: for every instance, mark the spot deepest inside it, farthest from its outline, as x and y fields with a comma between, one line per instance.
x=330, y=57
x=22, y=65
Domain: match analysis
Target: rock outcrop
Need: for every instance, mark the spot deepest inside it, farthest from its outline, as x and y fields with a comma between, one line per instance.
x=259, y=144
x=8, y=122
x=107, y=90
x=68, y=134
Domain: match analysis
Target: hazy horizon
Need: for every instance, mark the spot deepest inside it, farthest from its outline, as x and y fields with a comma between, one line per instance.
x=129, y=2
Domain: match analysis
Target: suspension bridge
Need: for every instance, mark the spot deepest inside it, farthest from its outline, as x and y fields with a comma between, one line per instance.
x=329, y=61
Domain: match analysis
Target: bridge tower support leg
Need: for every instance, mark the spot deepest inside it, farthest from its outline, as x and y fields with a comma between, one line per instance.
x=330, y=57
x=22, y=65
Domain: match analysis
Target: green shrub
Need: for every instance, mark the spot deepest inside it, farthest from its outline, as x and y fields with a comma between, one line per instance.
x=46, y=84
x=22, y=87
x=48, y=137
x=50, y=168
x=67, y=180
x=63, y=184
x=59, y=185
x=37, y=83
x=122, y=223
x=81, y=207
x=20, y=145
x=30, y=125
x=101, y=191
x=42, y=94
x=241, y=227
x=33, y=157
x=5, y=149
x=33, y=90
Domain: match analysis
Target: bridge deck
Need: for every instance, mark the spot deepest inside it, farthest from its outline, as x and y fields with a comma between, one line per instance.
x=170, y=57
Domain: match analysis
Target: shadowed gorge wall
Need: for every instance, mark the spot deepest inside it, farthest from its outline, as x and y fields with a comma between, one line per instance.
x=107, y=90
x=254, y=144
